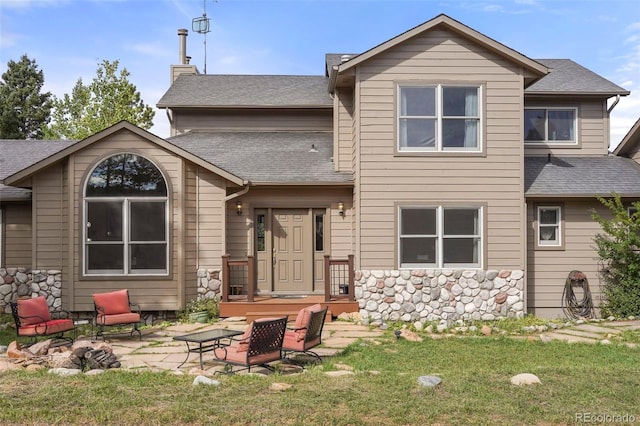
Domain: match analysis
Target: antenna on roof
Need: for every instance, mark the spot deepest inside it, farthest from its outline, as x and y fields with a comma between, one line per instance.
x=201, y=25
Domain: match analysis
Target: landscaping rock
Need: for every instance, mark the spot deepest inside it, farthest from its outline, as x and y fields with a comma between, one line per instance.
x=339, y=373
x=40, y=348
x=429, y=381
x=486, y=330
x=203, y=380
x=65, y=372
x=279, y=387
x=410, y=335
x=525, y=379
x=14, y=351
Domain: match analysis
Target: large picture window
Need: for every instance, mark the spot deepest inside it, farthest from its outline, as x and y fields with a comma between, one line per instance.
x=550, y=125
x=440, y=237
x=126, y=219
x=439, y=118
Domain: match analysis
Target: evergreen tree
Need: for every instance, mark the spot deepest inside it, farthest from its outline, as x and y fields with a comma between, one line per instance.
x=24, y=111
x=109, y=98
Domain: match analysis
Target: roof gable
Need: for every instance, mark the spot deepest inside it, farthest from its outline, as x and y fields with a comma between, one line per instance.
x=531, y=66
x=118, y=127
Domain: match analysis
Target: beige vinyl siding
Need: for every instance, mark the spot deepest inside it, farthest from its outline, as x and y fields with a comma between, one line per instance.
x=547, y=270
x=204, y=193
x=492, y=179
x=343, y=144
x=151, y=293
x=17, y=235
x=593, y=129
x=50, y=219
x=252, y=120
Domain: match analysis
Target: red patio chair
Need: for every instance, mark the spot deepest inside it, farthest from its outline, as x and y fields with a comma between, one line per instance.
x=113, y=309
x=307, y=331
x=260, y=345
x=33, y=319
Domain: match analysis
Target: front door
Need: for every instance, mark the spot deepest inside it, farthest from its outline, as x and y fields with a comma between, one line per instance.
x=285, y=251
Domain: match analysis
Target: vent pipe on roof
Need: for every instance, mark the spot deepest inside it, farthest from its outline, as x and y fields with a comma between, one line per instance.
x=182, y=53
x=344, y=58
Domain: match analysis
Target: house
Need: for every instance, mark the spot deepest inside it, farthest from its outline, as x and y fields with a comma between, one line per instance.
x=454, y=176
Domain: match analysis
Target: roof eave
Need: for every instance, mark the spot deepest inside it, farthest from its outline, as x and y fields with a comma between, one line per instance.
x=346, y=184
x=576, y=196
x=574, y=93
x=227, y=107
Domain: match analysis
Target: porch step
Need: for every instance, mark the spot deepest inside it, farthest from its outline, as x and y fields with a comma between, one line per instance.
x=291, y=315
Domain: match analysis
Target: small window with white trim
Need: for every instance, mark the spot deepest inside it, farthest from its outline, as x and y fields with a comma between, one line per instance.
x=549, y=226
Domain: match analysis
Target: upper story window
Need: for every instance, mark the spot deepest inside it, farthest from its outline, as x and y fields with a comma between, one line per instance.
x=439, y=118
x=550, y=125
x=440, y=237
x=126, y=218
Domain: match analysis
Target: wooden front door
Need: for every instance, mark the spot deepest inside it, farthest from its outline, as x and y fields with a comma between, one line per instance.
x=285, y=251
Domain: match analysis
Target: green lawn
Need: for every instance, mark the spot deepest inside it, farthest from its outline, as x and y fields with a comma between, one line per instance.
x=577, y=380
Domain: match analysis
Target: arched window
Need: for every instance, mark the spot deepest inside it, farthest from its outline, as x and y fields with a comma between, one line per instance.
x=126, y=218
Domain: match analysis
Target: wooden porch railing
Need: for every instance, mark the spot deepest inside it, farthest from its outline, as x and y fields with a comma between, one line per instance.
x=339, y=278
x=239, y=279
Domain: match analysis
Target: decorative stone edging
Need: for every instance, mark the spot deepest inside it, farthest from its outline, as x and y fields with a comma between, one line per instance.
x=21, y=282
x=439, y=295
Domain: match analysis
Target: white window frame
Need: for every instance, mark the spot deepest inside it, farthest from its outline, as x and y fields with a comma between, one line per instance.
x=126, y=240
x=546, y=140
x=558, y=242
x=439, y=117
x=440, y=236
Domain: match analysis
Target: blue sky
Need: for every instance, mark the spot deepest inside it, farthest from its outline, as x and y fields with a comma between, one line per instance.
x=69, y=38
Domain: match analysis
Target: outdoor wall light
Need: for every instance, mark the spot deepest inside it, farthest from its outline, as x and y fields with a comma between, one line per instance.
x=340, y=208
x=239, y=207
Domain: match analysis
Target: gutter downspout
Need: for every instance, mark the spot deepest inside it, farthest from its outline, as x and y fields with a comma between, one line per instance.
x=614, y=104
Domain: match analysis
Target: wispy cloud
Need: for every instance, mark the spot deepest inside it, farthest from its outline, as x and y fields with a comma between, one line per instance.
x=150, y=49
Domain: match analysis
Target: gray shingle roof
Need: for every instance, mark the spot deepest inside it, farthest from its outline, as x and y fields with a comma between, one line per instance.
x=581, y=176
x=267, y=157
x=567, y=76
x=247, y=91
x=16, y=155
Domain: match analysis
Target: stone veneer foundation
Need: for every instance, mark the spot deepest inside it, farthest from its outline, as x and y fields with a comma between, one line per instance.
x=24, y=282
x=439, y=295
x=383, y=295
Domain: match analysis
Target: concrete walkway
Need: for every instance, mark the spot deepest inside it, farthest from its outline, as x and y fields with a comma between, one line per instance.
x=591, y=332
x=158, y=351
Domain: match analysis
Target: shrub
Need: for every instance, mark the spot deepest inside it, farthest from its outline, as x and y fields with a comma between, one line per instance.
x=619, y=250
x=200, y=304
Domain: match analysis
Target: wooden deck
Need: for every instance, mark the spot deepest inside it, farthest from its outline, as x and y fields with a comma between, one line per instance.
x=263, y=306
